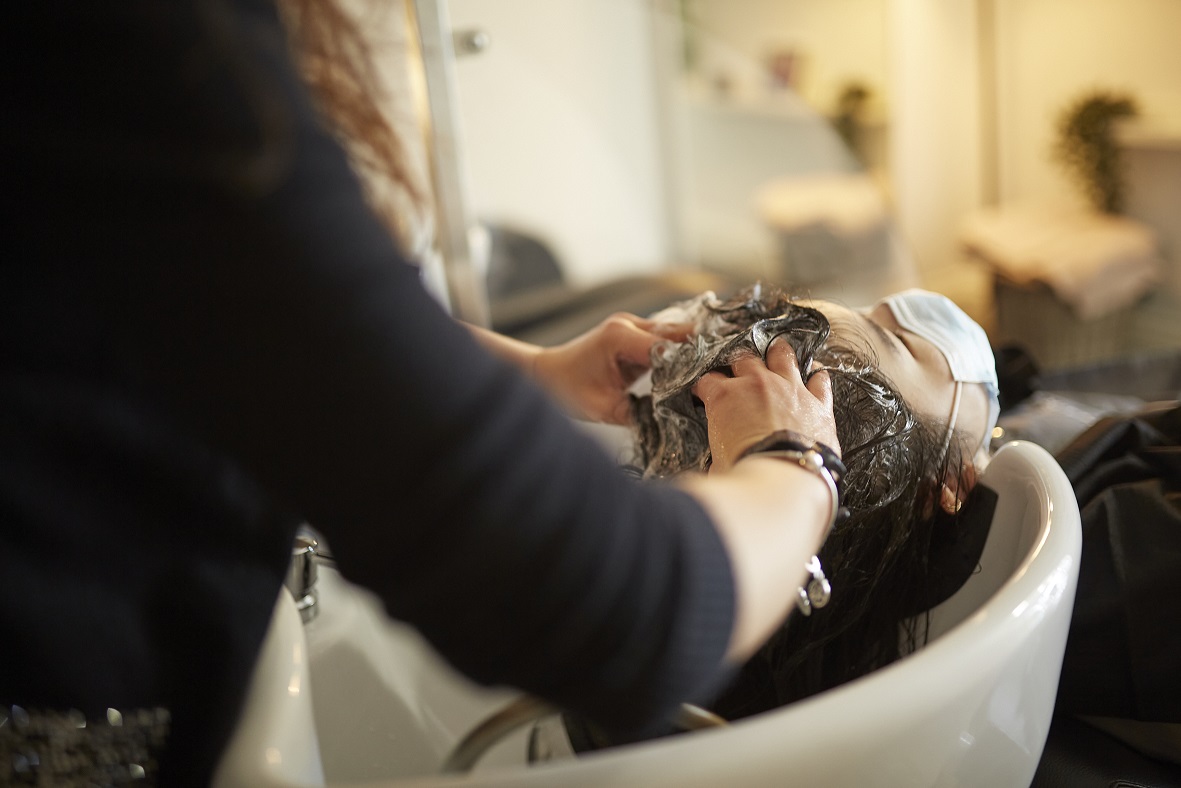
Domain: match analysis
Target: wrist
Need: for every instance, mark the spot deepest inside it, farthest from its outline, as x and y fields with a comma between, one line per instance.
x=822, y=462
x=813, y=462
x=808, y=502
x=537, y=365
x=522, y=355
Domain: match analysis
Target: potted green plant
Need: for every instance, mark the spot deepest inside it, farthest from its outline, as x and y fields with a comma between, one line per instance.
x=1087, y=147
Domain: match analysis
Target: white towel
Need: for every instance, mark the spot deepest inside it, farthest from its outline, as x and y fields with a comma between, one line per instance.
x=1094, y=263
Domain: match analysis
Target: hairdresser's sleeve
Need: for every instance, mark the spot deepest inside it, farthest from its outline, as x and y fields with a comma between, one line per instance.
x=275, y=317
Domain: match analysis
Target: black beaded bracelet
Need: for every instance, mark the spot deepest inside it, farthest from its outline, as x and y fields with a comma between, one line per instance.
x=787, y=440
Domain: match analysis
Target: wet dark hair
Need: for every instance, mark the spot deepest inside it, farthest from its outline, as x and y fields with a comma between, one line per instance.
x=877, y=559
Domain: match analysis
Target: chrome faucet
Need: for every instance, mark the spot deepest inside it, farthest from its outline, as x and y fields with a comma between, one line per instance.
x=301, y=574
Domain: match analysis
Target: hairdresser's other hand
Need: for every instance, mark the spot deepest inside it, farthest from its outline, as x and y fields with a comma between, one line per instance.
x=761, y=398
x=591, y=373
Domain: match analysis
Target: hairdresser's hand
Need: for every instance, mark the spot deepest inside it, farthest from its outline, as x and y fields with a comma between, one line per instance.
x=762, y=398
x=591, y=373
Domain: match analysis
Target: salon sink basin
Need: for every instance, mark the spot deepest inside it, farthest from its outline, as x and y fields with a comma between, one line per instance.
x=386, y=706
x=351, y=698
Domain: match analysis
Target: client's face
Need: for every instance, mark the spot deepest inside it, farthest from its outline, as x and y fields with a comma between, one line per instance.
x=913, y=364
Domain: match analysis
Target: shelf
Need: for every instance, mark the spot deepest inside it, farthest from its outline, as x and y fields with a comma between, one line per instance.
x=784, y=105
x=1150, y=133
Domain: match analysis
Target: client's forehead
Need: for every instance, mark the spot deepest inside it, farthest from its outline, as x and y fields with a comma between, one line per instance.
x=852, y=328
x=916, y=367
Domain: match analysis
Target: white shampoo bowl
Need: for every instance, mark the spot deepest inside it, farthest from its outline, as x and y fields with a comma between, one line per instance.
x=971, y=708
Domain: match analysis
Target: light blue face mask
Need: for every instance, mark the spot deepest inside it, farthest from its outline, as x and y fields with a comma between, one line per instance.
x=962, y=342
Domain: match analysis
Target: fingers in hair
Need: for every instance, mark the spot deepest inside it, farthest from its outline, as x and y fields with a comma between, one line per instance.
x=707, y=385
x=820, y=384
x=781, y=357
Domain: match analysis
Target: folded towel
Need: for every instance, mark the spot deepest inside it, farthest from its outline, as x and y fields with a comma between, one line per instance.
x=1094, y=263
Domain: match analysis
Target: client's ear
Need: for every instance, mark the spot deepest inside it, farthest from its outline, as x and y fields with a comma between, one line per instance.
x=955, y=488
x=950, y=493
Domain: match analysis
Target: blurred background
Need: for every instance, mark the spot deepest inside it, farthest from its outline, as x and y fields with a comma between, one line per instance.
x=1021, y=156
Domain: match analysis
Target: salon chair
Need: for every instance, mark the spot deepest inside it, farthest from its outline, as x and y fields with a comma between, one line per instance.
x=351, y=697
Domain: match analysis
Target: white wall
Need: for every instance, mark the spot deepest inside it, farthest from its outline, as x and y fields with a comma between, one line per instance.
x=1050, y=52
x=935, y=155
x=559, y=121
x=837, y=41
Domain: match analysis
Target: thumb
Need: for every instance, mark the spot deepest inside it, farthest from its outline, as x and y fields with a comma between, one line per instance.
x=678, y=332
x=634, y=346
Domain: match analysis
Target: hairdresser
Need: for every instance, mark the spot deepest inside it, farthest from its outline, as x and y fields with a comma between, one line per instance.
x=206, y=338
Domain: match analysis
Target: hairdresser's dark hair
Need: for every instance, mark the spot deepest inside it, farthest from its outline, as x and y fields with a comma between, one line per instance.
x=877, y=559
x=336, y=63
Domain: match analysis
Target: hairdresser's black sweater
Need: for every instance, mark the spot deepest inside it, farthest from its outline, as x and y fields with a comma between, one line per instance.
x=206, y=338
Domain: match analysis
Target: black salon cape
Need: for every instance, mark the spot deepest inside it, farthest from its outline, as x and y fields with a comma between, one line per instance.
x=1123, y=654
x=206, y=338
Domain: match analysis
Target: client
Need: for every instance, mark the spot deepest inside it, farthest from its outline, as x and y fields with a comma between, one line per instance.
x=915, y=397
